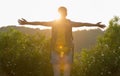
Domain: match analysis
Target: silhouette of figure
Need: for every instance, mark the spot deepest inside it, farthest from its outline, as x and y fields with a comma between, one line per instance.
x=62, y=47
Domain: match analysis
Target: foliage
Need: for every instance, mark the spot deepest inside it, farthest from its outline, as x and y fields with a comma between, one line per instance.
x=86, y=38
x=104, y=58
x=24, y=54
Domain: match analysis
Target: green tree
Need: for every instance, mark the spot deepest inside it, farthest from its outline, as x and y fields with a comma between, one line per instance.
x=104, y=58
x=24, y=54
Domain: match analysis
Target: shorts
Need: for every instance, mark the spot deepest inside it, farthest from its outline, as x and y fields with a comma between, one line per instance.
x=56, y=59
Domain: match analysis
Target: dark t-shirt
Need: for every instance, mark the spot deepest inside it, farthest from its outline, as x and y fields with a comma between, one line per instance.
x=62, y=45
x=62, y=34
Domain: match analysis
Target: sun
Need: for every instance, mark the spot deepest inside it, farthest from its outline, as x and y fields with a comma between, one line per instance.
x=55, y=16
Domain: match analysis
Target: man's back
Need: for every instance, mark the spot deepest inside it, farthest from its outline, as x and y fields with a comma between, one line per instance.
x=62, y=33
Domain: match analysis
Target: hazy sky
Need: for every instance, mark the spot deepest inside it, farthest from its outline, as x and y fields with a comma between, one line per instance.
x=91, y=11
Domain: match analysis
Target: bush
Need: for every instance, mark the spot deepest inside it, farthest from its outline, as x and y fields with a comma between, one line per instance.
x=24, y=54
x=104, y=58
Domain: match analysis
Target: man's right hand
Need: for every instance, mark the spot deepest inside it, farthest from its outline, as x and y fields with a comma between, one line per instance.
x=22, y=21
x=100, y=25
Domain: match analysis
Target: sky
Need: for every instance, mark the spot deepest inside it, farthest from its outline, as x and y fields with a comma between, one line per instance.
x=90, y=11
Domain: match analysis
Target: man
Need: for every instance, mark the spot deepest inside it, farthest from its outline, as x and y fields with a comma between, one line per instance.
x=62, y=41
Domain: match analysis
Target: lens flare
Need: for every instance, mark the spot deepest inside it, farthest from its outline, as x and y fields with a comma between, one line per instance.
x=62, y=54
x=60, y=46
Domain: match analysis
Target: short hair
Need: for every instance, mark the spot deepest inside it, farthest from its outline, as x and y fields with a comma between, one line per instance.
x=62, y=9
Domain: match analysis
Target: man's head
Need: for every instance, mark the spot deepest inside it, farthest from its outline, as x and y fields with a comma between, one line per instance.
x=62, y=11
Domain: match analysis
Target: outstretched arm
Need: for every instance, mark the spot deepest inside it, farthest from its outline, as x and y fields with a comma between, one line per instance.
x=25, y=22
x=78, y=24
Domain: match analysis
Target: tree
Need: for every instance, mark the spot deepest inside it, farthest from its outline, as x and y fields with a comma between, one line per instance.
x=104, y=58
x=24, y=54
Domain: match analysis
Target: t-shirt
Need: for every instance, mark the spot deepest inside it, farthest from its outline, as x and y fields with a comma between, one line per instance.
x=62, y=45
x=62, y=36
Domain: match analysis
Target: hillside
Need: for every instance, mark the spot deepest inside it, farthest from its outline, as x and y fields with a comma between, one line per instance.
x=82, y=39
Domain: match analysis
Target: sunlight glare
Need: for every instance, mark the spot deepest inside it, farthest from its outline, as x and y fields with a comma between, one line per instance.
x=56, y=16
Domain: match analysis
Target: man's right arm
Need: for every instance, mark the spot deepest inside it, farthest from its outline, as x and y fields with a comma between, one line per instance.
x=25, y=22
x=80, y=24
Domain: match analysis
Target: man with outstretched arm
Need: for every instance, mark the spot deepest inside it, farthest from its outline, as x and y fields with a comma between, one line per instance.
x=62, y=40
